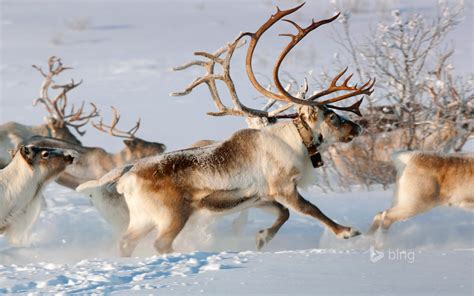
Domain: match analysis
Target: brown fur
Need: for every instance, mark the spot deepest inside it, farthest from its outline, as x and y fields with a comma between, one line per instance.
x=228, y=156
x=426, y=181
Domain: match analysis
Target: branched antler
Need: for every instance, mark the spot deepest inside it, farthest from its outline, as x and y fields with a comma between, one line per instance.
x=211, y=77
x=112, y=128
x=240, y=109
x=283, y=95
x=56, y=107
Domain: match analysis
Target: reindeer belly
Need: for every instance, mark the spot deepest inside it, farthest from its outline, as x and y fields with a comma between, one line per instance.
x=227, y=201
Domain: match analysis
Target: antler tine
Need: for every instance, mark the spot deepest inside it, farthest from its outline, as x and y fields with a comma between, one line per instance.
x=354, y=108
x=82, y=120
x=295, y=39
x=333, y=87
x=210, y=78
x=366, y=89
x=254, y=38
x=56, y=107
x=134, y=129
x=112, y=128
x=208, y=65
x=354, y=90
x=61, y=98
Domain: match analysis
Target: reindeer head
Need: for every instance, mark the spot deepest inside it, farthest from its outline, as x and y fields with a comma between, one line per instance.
x=135, y=148
x=138, y=148
x=49, y=161
x=329, y=125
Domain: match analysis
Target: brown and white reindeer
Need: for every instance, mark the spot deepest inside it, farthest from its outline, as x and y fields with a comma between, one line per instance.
x=59, y=121
x=21, y=184
x=103, y=192
x=426, y=180
x=253, y=168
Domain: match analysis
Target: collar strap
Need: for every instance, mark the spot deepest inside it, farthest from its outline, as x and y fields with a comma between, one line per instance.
x=308, y=140
x=50, y=134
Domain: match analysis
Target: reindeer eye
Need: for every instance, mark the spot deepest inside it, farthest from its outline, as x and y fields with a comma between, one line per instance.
x=333, y=117
x=45, y=154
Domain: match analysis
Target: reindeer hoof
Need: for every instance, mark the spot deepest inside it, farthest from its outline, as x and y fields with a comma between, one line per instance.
x=262, y=238
x=348, y=233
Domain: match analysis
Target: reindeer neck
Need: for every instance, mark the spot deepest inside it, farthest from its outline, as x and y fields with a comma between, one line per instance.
x=288, y=133
x=20, y=177
x=121, y=158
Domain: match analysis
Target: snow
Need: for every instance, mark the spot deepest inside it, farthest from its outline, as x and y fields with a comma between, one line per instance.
x=74, y=250
x=123, y=50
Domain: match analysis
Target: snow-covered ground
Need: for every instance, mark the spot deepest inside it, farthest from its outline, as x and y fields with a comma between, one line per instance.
x=73, y=250
x=123, y=50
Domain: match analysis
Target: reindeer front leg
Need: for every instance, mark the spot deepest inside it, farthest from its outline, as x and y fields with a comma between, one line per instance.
x=293, y=199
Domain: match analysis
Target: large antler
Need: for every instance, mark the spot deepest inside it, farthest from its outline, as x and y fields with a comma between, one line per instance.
x=211, y=77
x=112, y=128
x=284, y=95
x=57, y=106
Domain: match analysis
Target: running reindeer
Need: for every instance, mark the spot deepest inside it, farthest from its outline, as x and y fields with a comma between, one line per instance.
x=253, y=168
x=426, y=180
x=103, y=192
x=21, y=184
x=59, y=120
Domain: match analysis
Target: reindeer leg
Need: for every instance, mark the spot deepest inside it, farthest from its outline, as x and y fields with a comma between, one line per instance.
x=169, y=230
x=411, y=199
x=265, y=235
x=376, y=222
x=130, y=239
x=239, y=223
x=295, y=201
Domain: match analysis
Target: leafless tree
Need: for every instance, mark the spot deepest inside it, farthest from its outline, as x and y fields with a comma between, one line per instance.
x=420, y=102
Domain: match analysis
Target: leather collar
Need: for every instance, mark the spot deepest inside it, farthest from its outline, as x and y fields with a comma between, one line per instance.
x=309, y=142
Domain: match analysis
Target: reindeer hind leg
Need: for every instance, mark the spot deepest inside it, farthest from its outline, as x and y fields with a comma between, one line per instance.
x=169, y=229
x=265, y=235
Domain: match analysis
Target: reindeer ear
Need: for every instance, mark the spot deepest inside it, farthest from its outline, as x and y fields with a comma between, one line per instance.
x=308, y=113
x=129, y=143
x=27, y=153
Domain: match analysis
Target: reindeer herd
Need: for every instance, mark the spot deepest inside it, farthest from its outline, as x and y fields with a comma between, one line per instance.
x=142, y=188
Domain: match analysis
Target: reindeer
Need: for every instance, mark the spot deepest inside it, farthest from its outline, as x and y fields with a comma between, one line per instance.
x=426, y=180
x=253, y=168
x=12, y=133
x=103, y=192
x=21, y=184
x=95, y=162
